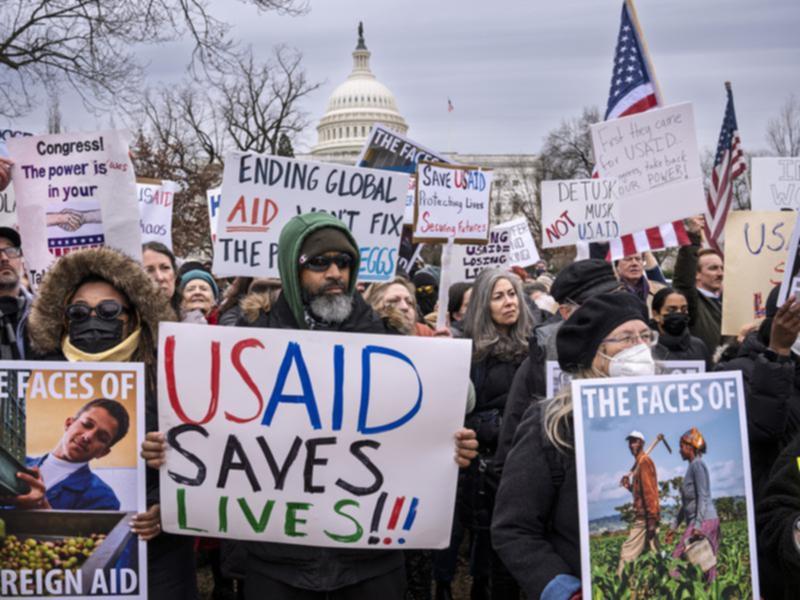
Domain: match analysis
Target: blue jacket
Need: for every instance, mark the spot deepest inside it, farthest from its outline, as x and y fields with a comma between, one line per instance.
x=83, y=490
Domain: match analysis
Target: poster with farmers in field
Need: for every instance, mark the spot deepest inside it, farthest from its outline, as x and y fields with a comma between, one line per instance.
x=664, y=489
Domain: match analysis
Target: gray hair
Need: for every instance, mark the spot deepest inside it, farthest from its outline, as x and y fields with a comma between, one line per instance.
x=479, y=326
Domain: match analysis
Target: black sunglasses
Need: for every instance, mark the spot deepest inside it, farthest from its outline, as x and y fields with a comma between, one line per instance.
x=323, y=263
x=107, y=310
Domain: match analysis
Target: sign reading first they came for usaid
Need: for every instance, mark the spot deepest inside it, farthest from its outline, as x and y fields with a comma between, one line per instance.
x=312, y=438
x=261, y=193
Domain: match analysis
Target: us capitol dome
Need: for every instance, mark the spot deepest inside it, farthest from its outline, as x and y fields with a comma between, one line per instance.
x=353, y=108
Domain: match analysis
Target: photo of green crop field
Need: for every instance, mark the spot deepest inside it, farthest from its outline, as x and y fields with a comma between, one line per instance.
x=658, y=575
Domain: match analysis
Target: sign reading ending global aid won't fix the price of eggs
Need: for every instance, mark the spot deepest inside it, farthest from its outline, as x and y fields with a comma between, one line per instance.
x=261, y=193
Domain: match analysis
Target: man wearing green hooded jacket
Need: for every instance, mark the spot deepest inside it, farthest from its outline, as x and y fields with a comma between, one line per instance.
x=318, y=260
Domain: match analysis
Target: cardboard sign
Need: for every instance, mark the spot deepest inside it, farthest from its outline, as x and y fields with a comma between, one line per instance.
x=580, y=210
x=74, y=190
x=387, y=149
x=558, y=379
x=261, y=193
x=156, y=199
x=716, y=498
x=654, y=155
x=214, y=199
x=452, y=203
x=510, y=244
x=756, y=247
x=82, y=544
x=776, y=183
x=302, y=437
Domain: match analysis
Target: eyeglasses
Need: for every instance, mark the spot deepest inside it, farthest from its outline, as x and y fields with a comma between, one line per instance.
x=323, y=262
x=12, y=251
x=107, y=310
x=648, y=337
x=426, y=289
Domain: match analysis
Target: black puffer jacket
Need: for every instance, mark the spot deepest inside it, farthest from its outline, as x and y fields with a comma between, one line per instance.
x=772, y=399
x=776, y=518
x=535, y=524
x=492, y=378
x=682, y=347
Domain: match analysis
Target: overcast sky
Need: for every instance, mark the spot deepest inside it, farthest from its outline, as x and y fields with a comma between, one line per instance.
x=514, y=69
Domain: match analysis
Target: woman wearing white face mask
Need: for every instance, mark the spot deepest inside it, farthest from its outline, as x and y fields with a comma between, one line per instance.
x=535, y=524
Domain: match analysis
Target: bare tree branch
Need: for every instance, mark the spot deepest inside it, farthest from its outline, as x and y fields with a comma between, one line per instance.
x=783, y=131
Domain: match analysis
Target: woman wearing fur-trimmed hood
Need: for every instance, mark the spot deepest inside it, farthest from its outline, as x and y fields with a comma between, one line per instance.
x=53, y=335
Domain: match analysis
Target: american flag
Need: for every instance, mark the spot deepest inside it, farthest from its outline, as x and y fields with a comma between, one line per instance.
x=729, y=163
x=450, y=106
x=633, y=91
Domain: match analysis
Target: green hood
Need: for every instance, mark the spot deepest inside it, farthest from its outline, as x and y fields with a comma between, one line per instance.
x=290, y=243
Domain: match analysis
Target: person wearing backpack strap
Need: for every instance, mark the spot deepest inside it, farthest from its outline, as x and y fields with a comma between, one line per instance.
x=535, y=525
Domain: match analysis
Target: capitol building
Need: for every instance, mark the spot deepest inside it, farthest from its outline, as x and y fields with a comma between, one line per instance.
x=361, y=101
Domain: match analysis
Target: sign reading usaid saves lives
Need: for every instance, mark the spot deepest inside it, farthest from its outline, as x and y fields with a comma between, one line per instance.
x=261, y=193
x=309, y=437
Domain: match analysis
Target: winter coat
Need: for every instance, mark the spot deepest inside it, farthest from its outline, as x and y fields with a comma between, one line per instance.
x=682, y=347
x=705, y=314
x=311, y=567
x=776, y=515
x=535, y=525
x=46, y=330
x=772, y=401
x=492, y=378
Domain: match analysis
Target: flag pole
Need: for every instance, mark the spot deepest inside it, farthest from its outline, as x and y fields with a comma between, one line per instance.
x=645, y=52
x=729, y=90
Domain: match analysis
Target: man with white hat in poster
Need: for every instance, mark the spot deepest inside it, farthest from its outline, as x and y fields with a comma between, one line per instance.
x=642, y=482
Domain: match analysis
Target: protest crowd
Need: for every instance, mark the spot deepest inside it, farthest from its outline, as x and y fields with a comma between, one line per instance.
x=615, y=314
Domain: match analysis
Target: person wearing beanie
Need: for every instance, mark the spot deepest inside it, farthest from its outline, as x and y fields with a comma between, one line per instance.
x=318, y=262
x=199, y=297
x=535, y=526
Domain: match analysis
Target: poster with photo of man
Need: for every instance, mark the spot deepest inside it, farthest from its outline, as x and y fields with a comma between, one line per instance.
x=664, y=489
x=71, y=480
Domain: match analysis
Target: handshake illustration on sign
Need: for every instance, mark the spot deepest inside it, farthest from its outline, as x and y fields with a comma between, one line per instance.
x=71, y=220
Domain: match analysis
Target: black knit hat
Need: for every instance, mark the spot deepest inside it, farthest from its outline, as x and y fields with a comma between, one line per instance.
x=580, y=336
x=583, y=279
x=326, y=239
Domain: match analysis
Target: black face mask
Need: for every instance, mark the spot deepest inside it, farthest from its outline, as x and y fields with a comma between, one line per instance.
x=95, y=335
x=675, y=323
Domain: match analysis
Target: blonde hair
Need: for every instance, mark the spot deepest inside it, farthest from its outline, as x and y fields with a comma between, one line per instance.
x=557, y=411
x=375, y=294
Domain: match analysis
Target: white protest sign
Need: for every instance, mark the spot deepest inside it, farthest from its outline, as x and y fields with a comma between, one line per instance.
x=387, y=149
x=510, y=244
x=654, y=155
x=156, y=199
x=8, y=208
x=261, y=193
x=214, y=198
x=579, y=210
x=74, y=190
x=303, y=437
x=776, y=183
x=558, y=379
x=8, y=203
x=790, y=283
x=452, y=202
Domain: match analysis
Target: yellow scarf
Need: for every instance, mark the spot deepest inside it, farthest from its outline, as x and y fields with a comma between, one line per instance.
x=122, y=352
